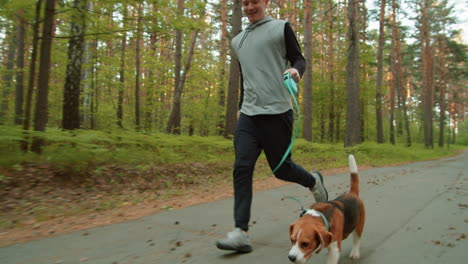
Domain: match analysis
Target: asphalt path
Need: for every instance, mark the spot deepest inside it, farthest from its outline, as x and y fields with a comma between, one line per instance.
x=416, y=213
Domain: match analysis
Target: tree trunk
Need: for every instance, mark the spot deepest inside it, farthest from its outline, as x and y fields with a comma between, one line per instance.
x=41, y=111
x=331, y=58
x=427, y=71
x=187, y=66
x=404, y=96
x=234, y=74
x=8, y=77
x=294, y=14
x=32, y=75
x=150, y=90
x=395, y=82
x=307, y=129
x=224, y=46
x=378, y=94
x=442, y=89
x=94, y=87
x=71, y=92
x=399, y=76
x=364, y=70
x=138, y=66
x=121, y=92
x=392, y=107
x=353, y=114
x=20, y=69
x=173, y=125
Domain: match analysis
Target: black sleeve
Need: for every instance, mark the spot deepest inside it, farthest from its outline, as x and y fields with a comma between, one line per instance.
x=241, y=99
x=293, y=50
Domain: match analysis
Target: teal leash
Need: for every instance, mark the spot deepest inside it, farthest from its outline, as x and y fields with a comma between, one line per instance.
x=291, y=86
x=297, y=201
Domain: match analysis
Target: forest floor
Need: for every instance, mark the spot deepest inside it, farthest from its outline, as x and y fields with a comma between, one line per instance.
x=37, y=201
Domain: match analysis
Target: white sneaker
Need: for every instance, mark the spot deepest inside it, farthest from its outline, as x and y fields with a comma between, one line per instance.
x=236, y=240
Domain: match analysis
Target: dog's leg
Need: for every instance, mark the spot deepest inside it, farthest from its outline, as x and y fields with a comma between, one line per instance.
x=355, y=254
x=333, y=253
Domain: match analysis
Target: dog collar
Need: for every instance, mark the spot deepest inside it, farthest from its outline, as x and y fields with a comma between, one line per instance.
x=316, y=213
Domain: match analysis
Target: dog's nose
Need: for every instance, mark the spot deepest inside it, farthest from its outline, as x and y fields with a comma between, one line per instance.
x=292, y=258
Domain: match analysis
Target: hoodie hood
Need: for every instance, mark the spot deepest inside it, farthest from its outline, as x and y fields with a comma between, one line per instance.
x=259, y=23
x=253, y=26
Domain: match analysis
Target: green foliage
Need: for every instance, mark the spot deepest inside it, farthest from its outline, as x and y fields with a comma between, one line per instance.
x=374, y=154
x=325, y=156
x=82, y=148
x=463, y=134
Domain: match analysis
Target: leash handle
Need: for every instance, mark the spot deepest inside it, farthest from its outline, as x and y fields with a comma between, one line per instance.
x=291, y=87
x=290, y=84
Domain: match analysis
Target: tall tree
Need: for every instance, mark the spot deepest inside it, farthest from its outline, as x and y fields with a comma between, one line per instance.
x=88, y=99
x=234, y=73
x=72, y=88
x=353, y=94
x=331, y=73
x=121, y=92
x=150, y=90
x=138, y=64
x=398, y=77
x=441, y=43
x=32, y=74
x=174, y=123
x=307, y=129
x=94, y=105
x=379, y=94
x=428, y=76
x=443, y=19
x=8, y=77
x=41, y=109
x=395, y=81
x=21, y=29
x=224, y=48
x=363, y=39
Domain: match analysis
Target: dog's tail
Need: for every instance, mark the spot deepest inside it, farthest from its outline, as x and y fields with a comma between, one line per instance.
x=354, y=175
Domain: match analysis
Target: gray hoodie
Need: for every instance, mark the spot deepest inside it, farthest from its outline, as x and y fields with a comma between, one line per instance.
x=261, y=51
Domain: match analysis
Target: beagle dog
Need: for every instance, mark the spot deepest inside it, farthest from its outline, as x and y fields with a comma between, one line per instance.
x=326, y=224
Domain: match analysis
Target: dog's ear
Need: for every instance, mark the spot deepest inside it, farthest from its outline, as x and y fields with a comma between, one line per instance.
x=325, y=239
x=291, y=229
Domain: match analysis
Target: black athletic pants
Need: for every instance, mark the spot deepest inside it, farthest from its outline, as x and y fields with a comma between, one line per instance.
x=272, y=134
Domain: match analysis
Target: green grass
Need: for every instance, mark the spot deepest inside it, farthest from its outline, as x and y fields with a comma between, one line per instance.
x=83, y=149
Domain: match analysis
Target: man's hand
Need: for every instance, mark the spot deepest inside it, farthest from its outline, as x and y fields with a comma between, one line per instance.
x=294, y=74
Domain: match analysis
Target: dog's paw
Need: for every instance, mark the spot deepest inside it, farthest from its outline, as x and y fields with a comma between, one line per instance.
x=354, y=254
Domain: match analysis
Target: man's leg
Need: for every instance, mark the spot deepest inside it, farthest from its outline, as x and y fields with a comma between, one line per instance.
x=276, y=133
x=247, y=151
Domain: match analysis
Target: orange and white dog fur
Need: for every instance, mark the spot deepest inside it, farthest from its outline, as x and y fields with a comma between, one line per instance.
x=344, y=215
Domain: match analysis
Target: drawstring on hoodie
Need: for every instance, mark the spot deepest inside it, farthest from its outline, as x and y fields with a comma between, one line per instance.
x=243, y=37
x=251, y=27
